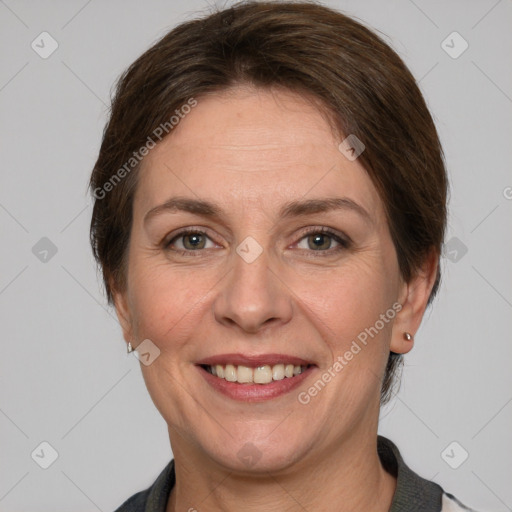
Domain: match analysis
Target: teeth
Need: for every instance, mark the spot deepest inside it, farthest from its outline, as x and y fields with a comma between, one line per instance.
x=244, y=374
x=278, y=372
x=263, y=374
x=230, y=373
x=219, y=370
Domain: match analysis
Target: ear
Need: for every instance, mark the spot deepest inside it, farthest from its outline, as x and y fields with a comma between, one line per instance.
x=123, y=312
x=414, y=297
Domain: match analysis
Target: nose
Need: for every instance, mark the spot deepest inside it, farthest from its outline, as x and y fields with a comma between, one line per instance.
x=252, y=296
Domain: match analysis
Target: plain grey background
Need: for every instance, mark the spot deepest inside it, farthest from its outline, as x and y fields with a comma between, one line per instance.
x=65, y=377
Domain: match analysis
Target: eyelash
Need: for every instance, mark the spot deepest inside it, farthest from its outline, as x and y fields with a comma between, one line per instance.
x=344, y=243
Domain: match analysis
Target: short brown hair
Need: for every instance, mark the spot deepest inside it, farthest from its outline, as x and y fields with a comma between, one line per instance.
x=306, y=48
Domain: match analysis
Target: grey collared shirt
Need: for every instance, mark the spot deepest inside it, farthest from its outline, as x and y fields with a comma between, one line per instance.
x=412, y=493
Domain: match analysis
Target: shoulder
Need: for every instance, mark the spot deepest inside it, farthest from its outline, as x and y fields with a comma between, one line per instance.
x=155, y=497
x=452, y=504
x=412, y=491
x=136, y=503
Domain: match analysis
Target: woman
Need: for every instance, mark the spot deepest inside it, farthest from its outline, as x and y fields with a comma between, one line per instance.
x=270, y=204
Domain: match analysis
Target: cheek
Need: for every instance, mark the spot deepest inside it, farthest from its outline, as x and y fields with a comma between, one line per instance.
x=169, y=303
x=346, y=306
x=166, y=301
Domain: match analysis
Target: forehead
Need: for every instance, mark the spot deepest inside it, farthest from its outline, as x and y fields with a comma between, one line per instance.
x=251, y=145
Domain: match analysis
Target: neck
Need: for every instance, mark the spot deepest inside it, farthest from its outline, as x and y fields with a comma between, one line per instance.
x=348, y=475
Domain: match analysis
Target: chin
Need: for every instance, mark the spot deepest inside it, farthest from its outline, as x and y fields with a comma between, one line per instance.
x=270, y=454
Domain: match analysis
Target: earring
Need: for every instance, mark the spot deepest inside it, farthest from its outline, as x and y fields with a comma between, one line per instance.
x=407, y=336
x=129, y=348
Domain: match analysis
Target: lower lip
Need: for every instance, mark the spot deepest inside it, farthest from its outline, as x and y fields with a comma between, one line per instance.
x=255, y=392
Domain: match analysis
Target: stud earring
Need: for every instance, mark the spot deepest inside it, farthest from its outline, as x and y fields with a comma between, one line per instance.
x=129, y=348
x=407, y=336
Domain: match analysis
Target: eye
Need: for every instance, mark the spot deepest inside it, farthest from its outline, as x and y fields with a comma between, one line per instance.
x=190, y=240
x=322, y=240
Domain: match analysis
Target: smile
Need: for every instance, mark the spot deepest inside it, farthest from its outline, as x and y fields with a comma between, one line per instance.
x=262, y=374
x=254, y=378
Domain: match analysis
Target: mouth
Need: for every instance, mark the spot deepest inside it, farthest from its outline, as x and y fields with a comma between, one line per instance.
x=262, y=374
x=256, y=378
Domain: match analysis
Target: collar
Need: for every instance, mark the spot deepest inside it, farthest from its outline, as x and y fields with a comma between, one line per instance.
x=412, y=492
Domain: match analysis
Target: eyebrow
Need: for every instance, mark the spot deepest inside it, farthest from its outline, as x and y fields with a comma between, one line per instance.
x=291, y=209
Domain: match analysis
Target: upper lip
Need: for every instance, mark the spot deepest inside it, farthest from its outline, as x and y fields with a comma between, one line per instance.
x=253, y=360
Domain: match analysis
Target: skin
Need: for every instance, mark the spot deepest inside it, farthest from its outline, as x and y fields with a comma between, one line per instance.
x=251, y=151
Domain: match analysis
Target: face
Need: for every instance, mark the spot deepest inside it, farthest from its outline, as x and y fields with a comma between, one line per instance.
x=287, y=266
